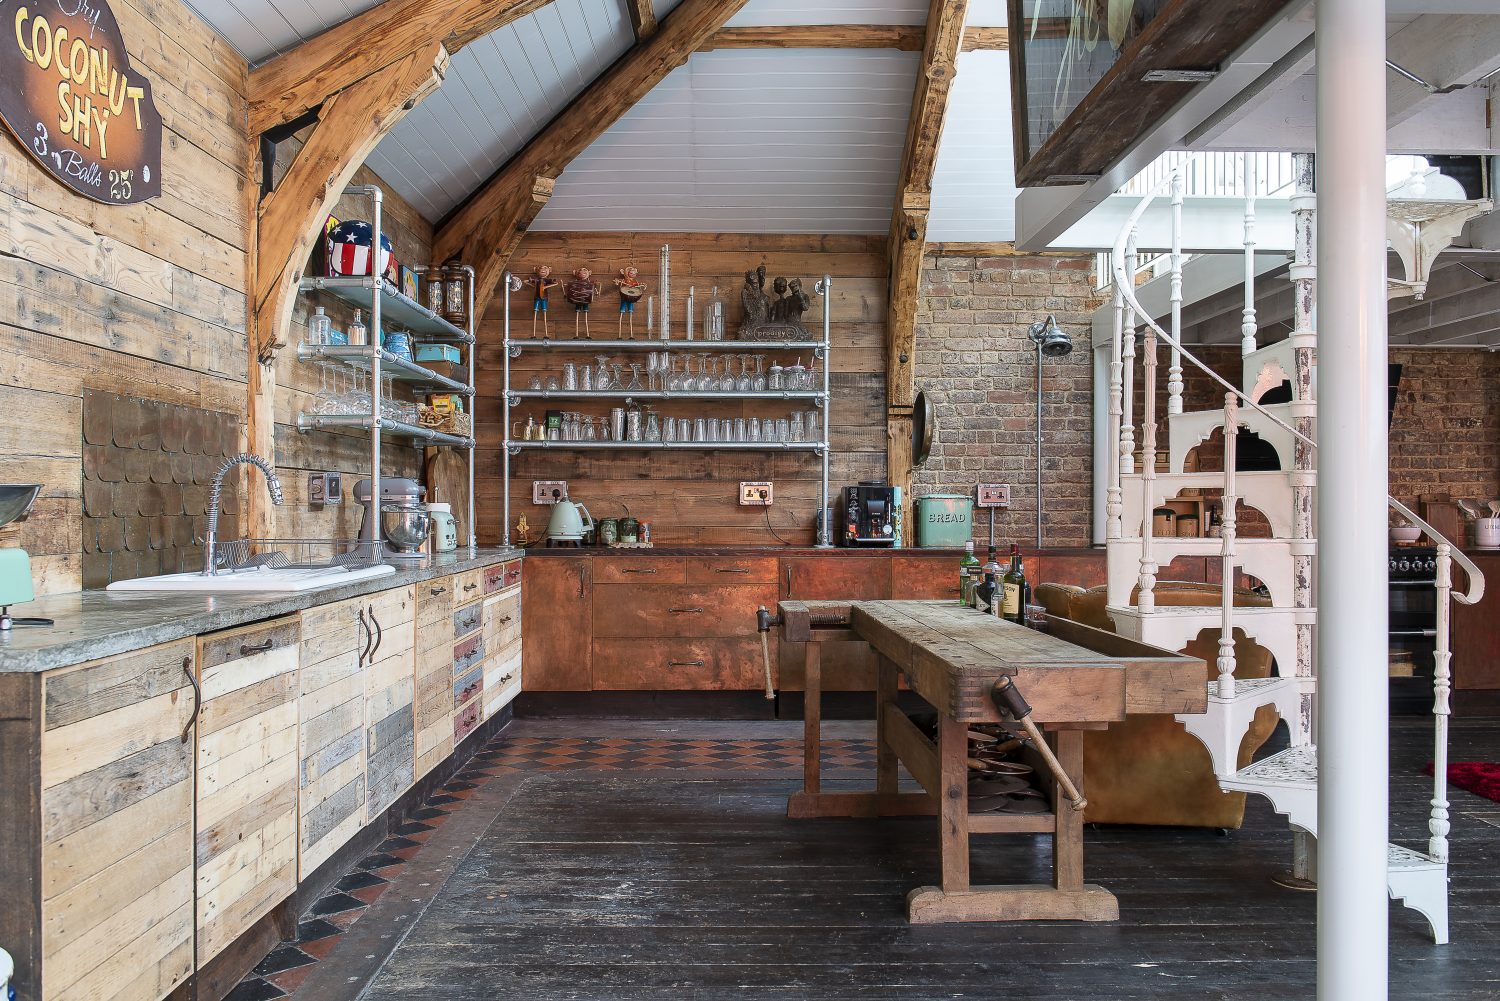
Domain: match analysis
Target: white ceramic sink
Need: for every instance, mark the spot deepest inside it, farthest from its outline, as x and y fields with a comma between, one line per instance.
x=257, y=579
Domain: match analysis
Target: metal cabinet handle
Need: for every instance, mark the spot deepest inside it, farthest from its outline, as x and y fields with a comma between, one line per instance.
x=683, y=611
x=187, y=669
x=732, y=570
x=369, y=636
x=685, y=663
x=638, y=570
x=580, y=584
x=504, y=619
x=505, y=679
x=788, y=582
x=379, y=635
x=246, y=650
x=469, y=587
x=439, y=590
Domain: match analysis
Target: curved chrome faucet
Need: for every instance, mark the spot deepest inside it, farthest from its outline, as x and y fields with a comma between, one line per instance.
x=243, y=459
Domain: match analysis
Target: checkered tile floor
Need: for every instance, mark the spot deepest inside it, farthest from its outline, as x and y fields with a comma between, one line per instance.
x=323, y=926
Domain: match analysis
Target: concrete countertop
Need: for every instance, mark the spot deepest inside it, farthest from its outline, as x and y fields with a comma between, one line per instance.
x=93, y=624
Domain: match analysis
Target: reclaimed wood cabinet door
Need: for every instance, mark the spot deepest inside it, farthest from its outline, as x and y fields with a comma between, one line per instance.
x=556, y=618
x=246, y=840
x=432, y=698
x=502, y=640
x=331, y=729
x=389, y=675
x=116, y=767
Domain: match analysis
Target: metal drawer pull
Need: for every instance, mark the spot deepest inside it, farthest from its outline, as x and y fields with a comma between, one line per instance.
x=732, y=570
x=504, y=620
x=470, y=587
x=379, y=636
x=369, y=638
x=187, y=669
x=439, y=590
x=638, y=570
x=685, y=663
x=680, y=611
x=505, y=679
x=246, y=650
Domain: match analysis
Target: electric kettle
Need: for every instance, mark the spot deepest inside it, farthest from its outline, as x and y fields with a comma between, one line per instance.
x=569, y=522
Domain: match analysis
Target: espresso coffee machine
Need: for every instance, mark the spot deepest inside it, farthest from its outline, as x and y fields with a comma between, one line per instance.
x=868, y=513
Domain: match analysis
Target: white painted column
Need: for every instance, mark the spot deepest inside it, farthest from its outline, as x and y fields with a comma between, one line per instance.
x=1353, y=725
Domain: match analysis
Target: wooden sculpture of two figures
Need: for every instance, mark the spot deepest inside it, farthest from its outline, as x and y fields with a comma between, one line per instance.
x=580, y=293
x=773, y=319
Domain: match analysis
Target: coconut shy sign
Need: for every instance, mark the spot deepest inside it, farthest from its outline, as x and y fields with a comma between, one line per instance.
x=70, y=95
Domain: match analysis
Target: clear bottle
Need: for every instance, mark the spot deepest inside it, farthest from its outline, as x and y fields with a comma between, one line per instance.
x=358, y=334
x=318, y=326
x=713, y=317
x=968, y=574
x=1015, y=591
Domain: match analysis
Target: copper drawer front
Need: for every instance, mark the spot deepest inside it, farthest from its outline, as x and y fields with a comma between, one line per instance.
x=714, y=664
x=652, y=610
x=639, y=570
x=724, y=570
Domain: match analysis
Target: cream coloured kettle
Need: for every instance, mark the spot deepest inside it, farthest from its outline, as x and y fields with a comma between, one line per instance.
x=569, y=522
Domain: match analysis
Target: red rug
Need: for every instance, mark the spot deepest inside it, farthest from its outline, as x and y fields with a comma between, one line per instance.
x=1479, y=777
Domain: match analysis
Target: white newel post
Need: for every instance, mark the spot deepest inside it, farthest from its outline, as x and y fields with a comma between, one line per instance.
x=1174, y=370
x=1114, y=504
x=1127, y=356
x=1146, y=600
x=1303, y=274
x=1247, y=316
x=1437, y=823
x=1352, y=706
x=1229, y=524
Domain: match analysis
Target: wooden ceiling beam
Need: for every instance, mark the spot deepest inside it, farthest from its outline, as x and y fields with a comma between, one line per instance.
x=908, y=233
x=985, y=39
x=297, y=81
x=486, y=229
x=904, y=37
x=642, y=18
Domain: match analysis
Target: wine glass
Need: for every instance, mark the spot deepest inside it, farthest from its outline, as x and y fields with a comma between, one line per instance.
x=760, y=379
x=705, y=381
x=601, y=379
x=635, y=378
x=651, y=377
x=744, y=383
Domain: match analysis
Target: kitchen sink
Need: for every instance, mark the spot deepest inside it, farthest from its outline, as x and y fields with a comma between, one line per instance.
x=255, y=579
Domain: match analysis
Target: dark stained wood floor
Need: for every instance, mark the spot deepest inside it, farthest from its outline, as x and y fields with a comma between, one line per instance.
x=629, y=885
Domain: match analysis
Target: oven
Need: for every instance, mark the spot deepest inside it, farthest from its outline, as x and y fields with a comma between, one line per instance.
x=1412, y=605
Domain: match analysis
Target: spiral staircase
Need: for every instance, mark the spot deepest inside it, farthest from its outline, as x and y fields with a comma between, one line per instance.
x=1143, y=475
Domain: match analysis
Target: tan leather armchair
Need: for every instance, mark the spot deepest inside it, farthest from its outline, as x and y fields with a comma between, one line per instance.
x=1147, y=769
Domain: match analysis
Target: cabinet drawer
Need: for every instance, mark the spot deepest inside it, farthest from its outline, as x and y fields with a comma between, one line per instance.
x=236, y=644
x=678, y=664
x=679, y=610
x=501, y=576
x=434, y=600
x=468, y=686
x=468, y=585
x=724, y=570
x=467, y=619
x=465, y=720
x=639, y=570
x=467, y=653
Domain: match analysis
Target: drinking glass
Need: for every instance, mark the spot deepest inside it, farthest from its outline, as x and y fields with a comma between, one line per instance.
x=653, y=427
x=739, y=429
x=700, y=429
x=705, y=381
x=794, y=427
x=552, y=385
x=752, y=429
x=601, y=379
x=536, y=384
x=586, y=379
x=635, y=378
x=674, y=378
x=714, y=429
x=783, y=429
x=616, y=380
x=570, y=377
x=684, y=429
x=811, y=421
x=651, y=379
x=760, y=379
x=669, y=429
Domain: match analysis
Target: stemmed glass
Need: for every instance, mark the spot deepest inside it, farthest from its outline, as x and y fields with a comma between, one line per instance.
x=760, y=379
x=617, y=380
x=635, y=378
x=705, y=381
x=651, y=377
x=674, y=378
x=744, y=383
x=601, y=380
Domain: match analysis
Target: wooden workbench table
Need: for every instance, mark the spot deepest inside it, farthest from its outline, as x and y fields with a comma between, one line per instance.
x=1074, y=677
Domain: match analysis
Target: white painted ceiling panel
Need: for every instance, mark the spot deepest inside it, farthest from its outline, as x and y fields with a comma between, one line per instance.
x=757, y=13
x=768, y=141
x=499, y=92
x=973, y=185
x=260, y=29
x=986, y=13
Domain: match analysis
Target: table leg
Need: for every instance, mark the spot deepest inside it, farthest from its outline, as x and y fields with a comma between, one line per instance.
x=886, y=685
x=953, y=803
x=1067, y=841
x=812, y=717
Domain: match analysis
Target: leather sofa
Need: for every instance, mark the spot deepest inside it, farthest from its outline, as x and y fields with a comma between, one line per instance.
x=1147, y=769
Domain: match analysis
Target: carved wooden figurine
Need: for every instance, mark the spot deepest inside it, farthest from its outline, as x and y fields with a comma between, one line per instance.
x=631, y=290
x=541, y=282
x=580, y=292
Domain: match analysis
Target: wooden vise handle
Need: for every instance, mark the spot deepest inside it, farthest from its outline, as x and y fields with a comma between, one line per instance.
x=1009, y=701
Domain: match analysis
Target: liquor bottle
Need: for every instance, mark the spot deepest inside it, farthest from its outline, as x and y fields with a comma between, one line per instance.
x=357, y=331
x=1016, y=593
x=968, y=569
x=986, y=592
x=318, y=326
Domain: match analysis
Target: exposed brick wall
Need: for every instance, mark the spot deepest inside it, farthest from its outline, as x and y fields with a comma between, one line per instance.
x=977, y=365
x=1445, y=432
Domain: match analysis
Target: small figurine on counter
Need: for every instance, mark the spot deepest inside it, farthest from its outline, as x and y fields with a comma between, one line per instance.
x=541, y=282
x=631, y=290
x=580, y=292
x=523, y=532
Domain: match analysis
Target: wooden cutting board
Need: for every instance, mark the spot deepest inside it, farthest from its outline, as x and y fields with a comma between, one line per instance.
x=447, y=482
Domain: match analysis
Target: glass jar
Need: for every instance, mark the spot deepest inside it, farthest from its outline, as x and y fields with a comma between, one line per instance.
x=455, y=304
x=609, y=532
x=436, y=295
x=775, y=380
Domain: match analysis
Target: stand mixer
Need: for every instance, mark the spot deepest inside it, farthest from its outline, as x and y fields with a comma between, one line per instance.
x=15, y=565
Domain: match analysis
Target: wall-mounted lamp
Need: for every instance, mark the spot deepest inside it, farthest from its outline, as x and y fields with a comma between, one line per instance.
x=1051, y=342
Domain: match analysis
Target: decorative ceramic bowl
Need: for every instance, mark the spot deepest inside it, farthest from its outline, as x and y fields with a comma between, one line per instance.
x=1408, y=533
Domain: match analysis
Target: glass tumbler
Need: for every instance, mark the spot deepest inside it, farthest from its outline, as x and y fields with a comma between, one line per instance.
x=570, y=377
x=700, y=429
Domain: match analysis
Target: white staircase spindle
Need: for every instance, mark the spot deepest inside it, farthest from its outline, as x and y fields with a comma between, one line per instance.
x=1228, y=524
x=1247, y=319
x=1114, y=504
x=1146, y=600
x=1127, y=356
x=1174, y=371
x=1437, y=823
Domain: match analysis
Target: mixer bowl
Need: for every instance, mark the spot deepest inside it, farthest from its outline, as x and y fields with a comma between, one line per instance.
x=404, y=527
x=16, y=499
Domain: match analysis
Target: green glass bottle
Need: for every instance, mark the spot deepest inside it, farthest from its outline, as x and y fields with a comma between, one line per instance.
x=1015, y=591
x=968, y=573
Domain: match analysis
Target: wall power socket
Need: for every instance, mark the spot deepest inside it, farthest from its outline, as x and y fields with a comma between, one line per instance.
x=548, y=491
x=755, y=493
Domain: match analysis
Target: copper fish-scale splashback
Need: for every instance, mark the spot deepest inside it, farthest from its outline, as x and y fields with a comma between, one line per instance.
x=147, y=467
